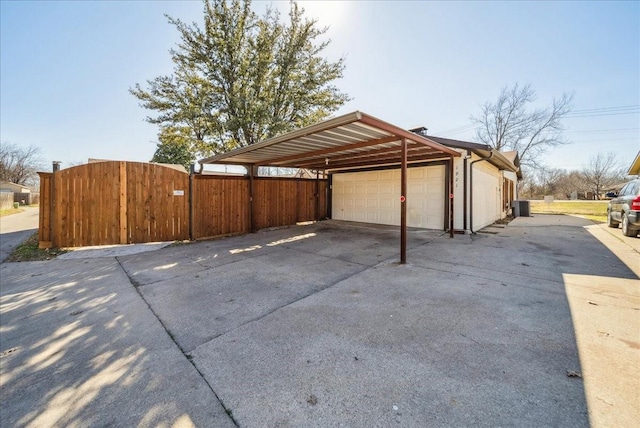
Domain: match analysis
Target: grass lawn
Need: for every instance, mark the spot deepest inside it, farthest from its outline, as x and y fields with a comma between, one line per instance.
x=593, y=210
x=10, y=211
x=28, y=251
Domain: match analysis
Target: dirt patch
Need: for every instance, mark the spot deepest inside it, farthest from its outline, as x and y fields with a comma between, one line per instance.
x=506, y=220
x=29, y=251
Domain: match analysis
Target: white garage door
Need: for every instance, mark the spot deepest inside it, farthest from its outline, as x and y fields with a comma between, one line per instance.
x=374, y=197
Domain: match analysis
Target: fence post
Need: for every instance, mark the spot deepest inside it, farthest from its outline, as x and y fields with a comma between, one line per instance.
x=55, y=168
x=317, y=195
x=250, y=169
x=192, y=171
x=123, y=203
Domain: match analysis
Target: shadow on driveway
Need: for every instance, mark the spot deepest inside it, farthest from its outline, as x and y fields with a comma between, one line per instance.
x=319, y=325
x=81, y=348
x=313, y=325
x=11, y=240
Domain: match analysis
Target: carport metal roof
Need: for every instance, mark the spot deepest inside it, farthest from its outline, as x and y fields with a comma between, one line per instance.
x=345, y=142
x=350, y=141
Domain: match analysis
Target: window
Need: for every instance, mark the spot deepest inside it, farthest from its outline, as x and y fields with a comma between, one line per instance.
x=625, y=189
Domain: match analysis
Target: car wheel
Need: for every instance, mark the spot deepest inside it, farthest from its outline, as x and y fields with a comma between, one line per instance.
x=611, y=222
x=626, y=229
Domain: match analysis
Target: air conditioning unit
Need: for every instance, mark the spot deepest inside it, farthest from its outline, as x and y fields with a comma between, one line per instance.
x=521, y=209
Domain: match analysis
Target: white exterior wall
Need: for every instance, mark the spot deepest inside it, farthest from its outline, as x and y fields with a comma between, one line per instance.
x=509, y=175
x=487, y=194
x=458, y=191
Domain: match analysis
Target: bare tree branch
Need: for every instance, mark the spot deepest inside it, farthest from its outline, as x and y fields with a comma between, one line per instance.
x=508, y=125
x=602, y=170
x=19, y=164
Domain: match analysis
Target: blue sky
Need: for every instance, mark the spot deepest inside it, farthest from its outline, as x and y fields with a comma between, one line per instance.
x=66, y=67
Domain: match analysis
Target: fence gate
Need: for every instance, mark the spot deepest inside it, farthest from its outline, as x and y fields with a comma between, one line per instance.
x=113, y=202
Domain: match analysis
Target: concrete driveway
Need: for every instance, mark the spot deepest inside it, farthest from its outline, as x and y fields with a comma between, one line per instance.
x=15, y=228
x=318, y=325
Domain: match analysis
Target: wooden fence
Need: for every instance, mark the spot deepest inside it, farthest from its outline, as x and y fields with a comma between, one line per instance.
x=113, y=203
x=32, y=198
x=220, y=206
x=129, y=202
x=230, y=205
x=6, y=200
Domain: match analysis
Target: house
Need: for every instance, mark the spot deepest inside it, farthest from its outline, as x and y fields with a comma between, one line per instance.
x=380, y=173
x=9, y=187
x=12, y=192
x=484, y=183
x=489, y=183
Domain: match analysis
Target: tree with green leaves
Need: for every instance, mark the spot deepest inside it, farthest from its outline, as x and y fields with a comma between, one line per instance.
x=174, y=146
x=240, y=79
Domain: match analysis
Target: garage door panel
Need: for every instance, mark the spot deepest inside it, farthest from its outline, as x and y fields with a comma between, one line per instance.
x=384, y=203
x=435, y=173
x=433, y=205
x=386, y=189
x=417, y=188
x=385, y=175
x=417, y=173
x=374, y=197
x=372, y=217
x=385, y=218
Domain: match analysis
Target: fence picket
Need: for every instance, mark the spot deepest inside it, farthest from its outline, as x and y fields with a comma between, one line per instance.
x=131, y=202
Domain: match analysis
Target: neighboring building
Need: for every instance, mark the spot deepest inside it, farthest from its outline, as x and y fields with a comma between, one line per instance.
x=360, y=154
x=8, y=187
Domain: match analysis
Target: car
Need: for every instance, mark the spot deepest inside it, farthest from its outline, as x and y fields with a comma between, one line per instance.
x=625, y=209
x=610, y=195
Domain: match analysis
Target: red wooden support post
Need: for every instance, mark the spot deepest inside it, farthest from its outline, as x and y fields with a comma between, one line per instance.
x=403, y=204
x=451, y=196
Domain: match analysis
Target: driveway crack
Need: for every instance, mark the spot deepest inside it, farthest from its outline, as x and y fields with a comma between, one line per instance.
x=188, y=357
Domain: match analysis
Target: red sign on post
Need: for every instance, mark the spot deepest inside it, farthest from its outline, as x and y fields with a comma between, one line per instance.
x=402, y=198
x=450, y=195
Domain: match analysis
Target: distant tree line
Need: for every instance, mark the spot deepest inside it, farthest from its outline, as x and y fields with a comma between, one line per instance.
x=18, y=164
x=512, y=122
x=602, y=172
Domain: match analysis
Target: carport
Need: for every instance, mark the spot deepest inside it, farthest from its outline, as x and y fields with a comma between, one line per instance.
x=350, y=142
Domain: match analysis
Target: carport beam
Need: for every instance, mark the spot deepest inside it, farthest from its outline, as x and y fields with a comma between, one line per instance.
x=403, y=204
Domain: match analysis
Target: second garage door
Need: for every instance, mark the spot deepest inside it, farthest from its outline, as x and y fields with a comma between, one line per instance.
x=374, y=197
